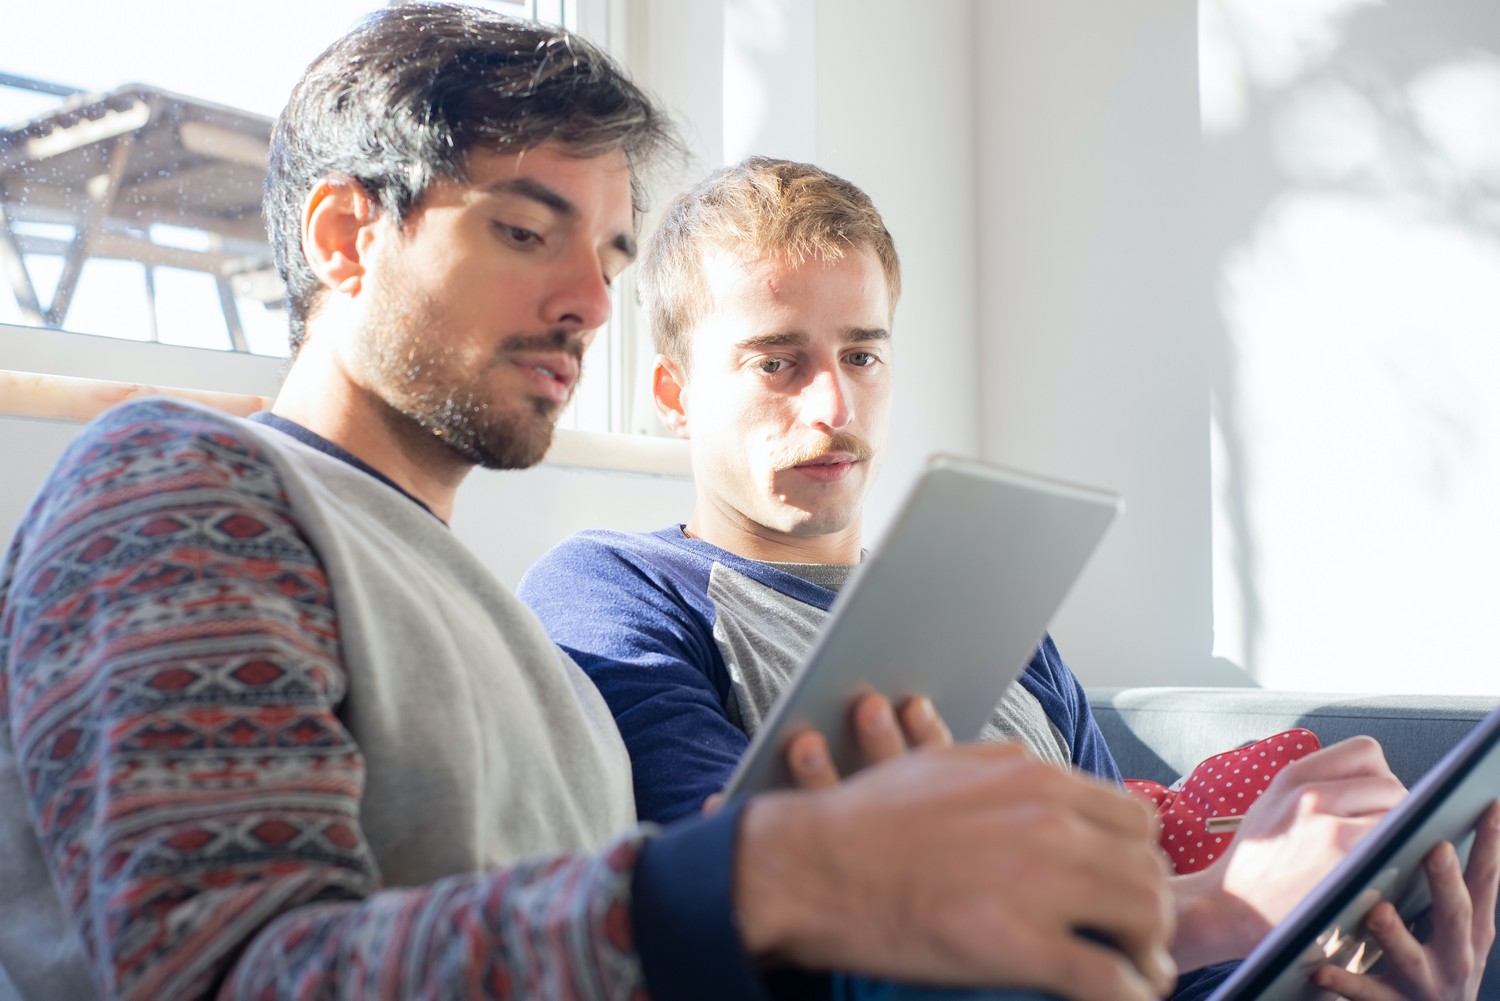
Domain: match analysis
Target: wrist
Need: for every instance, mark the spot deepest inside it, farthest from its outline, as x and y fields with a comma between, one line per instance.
x=682, y=912
x=1212, y=925
x=781, y=894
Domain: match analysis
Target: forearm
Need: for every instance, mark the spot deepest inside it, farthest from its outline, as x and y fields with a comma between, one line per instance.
x=781, y=849
x=550, y=927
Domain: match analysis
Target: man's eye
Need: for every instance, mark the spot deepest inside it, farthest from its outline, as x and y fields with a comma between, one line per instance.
x=862, y=359
x=518, y=235
x=771, y=366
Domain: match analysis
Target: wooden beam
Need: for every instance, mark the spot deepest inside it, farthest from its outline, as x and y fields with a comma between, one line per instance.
x=13, y=263
x=66, y=138
x=232, y=316
x=102, y=198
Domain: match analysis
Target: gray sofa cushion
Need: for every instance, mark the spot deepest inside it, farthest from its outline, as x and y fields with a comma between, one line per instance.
x=1161, y=733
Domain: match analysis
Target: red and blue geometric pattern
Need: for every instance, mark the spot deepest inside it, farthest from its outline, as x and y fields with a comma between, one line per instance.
x=170, y=680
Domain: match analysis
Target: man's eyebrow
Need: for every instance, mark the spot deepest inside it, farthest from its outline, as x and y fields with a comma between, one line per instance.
x=782, y=339
x=796, y=338
x=538, y=192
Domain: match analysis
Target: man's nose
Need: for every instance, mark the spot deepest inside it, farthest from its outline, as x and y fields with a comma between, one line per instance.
x=581, y=298
x=825, y=401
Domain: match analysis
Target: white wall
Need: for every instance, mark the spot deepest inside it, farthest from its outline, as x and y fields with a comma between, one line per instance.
x=1266, y=311
x=896, y=116
x=1353, y=153
x=1093, y=307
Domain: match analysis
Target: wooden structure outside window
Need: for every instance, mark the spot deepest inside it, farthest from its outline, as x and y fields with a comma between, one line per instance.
x=137, y=174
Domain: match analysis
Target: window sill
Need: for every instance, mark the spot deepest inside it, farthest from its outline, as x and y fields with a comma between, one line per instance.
x=78, y=400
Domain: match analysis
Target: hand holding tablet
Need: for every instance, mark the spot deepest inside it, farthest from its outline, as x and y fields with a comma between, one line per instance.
x=1391, y=869
x=1447, y=961
x=950, y=605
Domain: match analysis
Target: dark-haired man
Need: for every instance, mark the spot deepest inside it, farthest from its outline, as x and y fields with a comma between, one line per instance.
x=269, y=731
x=770, y=289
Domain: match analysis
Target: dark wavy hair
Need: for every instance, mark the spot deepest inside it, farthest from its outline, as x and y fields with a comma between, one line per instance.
x=401, y=100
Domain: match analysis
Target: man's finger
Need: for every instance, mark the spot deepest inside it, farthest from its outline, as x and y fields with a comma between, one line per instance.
x=876, y=729
x=1406, y=961
x=1354, y=986
x=1452, y=941
x=1078, y=969
x=808, y=760
x=922, y=725
x=1483, y=877
x=1350, y=758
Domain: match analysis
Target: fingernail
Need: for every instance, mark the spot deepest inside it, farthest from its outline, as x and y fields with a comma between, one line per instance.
x=1167, y=965
x=921, y=710
x=882, y=721
x=811, y=758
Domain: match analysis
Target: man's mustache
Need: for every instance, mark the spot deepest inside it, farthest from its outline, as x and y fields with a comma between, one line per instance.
x=842, y=442
x=559, y=339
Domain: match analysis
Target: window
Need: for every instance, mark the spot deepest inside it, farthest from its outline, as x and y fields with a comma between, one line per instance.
x=132, y=153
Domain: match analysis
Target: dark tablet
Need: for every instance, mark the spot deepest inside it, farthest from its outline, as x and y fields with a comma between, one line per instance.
x=1328, y=926
x=951, y=605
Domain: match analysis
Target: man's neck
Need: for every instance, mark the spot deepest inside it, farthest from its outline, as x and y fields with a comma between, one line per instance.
x=757, y=542
x=331, y=405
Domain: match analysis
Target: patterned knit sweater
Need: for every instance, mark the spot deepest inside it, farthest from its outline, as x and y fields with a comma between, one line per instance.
x=268, y=730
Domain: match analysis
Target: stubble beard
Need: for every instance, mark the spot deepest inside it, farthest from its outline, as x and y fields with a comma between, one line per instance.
x=426, y=386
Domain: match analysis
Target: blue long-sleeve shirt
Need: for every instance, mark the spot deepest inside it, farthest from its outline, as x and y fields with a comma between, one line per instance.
x=645, y=616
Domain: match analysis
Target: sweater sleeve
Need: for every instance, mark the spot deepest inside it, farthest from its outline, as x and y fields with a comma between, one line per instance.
x=170, y=679
x=641, y=629
x=1049, y=678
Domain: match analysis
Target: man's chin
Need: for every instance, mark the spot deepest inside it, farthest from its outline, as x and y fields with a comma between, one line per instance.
x=804, y=524
x=518, y=445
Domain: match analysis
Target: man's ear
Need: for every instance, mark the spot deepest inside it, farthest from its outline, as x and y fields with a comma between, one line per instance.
x=333, y=219
x=668, y=388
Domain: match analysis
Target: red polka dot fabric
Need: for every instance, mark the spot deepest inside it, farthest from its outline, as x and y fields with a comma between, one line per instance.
x=1221, y=786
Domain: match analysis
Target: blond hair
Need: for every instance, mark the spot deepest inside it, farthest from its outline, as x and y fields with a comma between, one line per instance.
x=762, y=208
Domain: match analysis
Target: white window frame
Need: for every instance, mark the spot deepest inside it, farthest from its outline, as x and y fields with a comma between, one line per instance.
x=592, y=434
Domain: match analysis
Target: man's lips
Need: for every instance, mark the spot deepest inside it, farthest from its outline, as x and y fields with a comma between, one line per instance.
x=554, y=375
x=829, y=459
x=827, y=468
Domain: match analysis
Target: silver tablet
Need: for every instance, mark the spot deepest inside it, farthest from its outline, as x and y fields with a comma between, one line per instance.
x=951, y=604
x=1328, y=926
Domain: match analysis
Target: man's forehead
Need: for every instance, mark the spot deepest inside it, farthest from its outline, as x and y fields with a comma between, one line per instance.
x=755, y=277
x=556, y=168
x=726, y=267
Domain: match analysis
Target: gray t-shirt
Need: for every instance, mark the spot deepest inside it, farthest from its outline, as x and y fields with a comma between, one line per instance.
x=764, y=634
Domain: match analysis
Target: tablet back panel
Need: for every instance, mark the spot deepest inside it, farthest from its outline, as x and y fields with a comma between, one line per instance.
x=951, y=605
x=1387, y=865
